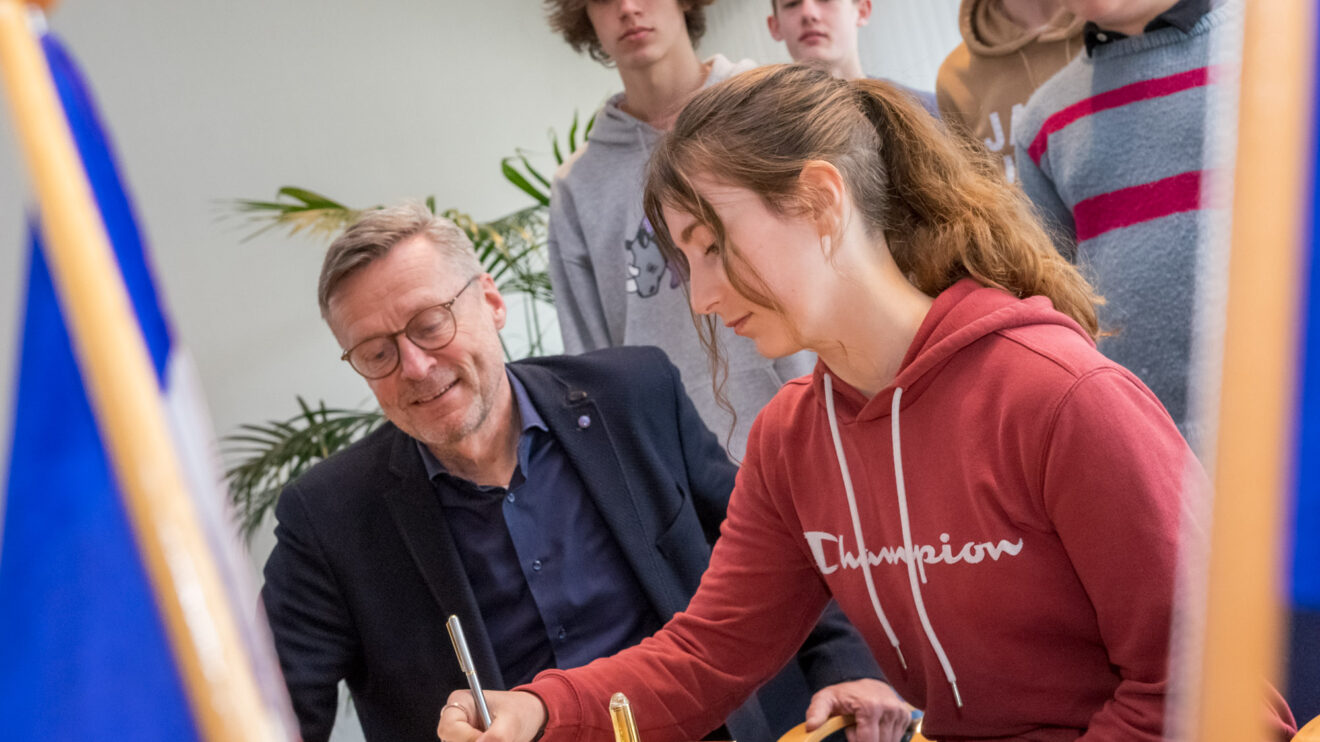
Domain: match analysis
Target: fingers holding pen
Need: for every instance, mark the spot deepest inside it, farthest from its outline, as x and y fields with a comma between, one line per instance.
x=517, y=717
x=457, y=717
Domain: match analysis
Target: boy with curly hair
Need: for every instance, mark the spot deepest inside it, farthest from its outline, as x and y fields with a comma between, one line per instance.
x=611, y=285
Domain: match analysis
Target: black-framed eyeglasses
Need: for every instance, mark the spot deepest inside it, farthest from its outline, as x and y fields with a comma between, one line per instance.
x=430, y=329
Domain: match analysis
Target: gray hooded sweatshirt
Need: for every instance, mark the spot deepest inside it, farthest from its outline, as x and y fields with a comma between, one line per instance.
x=612, y=287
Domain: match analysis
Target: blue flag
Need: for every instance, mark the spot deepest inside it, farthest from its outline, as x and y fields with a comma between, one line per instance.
x=1304, y=535
x=86, y=654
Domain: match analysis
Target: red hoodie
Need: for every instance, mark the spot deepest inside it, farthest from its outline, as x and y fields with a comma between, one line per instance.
x=1017, y=498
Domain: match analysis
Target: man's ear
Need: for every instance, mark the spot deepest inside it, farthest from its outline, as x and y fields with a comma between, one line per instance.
x=772, y=22
x=863, y=12
x=822, y=184
x=491, y=296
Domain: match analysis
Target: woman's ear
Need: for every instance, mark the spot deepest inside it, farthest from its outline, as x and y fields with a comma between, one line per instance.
x=822, y=185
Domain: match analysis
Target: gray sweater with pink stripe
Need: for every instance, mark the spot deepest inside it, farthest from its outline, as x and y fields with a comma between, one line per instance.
x=1116, y=154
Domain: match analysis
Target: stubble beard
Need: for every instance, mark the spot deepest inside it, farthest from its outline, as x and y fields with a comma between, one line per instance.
x=441, y=437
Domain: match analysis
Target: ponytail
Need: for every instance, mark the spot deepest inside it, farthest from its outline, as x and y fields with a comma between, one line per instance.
x=950, y=213
x=942, y=204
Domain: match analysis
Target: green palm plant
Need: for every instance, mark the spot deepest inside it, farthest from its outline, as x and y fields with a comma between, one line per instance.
x=298, y=210
x=507, y=247
x=266, y=456
x=529, y=180
x=279, y=451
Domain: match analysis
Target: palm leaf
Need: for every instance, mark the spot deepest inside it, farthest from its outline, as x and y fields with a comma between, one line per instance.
x=297, y=210
x=535, y=285
x=523, y=180
x=535, y=174
x=586, y=134
x=274, y=453
x=512, y=175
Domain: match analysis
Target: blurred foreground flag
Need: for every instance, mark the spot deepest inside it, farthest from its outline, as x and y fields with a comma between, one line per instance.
x=1304, y=533
x=110, y=627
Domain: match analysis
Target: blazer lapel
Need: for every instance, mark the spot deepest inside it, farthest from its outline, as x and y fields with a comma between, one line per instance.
x=421, y=521
x=576, y=422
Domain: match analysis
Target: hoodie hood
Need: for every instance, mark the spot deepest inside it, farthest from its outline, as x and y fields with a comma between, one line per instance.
x=615, y=127
x=989, y=32
x=961, y=315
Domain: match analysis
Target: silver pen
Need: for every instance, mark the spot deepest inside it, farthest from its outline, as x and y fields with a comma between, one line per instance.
x=470, y=670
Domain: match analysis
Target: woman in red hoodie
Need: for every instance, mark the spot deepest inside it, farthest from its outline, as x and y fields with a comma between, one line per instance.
x=994, y=504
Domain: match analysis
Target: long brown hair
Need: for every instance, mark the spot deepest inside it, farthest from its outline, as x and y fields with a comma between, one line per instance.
x=942, y=204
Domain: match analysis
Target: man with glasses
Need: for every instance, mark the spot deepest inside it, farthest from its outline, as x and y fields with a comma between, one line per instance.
x=563, y=508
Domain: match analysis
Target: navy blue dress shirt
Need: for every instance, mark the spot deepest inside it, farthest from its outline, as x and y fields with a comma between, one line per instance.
x=550, y=580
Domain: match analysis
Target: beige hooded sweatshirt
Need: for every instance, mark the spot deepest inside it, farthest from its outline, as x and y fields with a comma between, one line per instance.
x=982, y=84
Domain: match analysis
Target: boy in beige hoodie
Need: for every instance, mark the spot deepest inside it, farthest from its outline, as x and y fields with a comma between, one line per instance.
x=1009, y=48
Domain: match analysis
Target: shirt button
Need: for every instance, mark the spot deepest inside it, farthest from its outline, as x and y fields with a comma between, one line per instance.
x=1102, y=36
x=536, y=565
x=584, y=422
x=510, y=497
x=563, y=632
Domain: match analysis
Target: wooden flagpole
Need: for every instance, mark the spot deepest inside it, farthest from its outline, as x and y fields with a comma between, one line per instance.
x=1258, y=398
x=217, y=672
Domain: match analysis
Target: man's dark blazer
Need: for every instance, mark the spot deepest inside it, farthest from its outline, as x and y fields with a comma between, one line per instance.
x=365, y=571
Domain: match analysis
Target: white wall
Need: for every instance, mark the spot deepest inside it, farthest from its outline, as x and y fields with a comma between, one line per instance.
x=365, y=101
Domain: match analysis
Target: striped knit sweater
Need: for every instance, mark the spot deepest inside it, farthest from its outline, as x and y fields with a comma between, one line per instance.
x=1114, y=150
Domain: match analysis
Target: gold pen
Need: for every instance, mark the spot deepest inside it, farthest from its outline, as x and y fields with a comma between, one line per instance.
x=621, y=716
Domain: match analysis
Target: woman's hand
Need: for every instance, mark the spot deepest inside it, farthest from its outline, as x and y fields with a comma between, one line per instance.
x=515, y=717
x=881, y=715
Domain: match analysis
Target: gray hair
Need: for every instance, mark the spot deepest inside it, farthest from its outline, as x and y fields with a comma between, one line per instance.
x=377, y=231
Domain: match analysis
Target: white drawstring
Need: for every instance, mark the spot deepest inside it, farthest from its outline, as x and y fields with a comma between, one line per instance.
x=857, y=522
x=912, y=555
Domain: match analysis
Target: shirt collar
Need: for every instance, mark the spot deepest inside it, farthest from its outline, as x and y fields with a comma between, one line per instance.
x=531, y=420
x=1183, y=15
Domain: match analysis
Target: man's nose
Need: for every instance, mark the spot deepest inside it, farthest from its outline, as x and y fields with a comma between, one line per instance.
x=414, y=362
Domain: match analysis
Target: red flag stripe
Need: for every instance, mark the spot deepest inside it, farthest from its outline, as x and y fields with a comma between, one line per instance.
x=1137, y=91
x=1127, y=206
